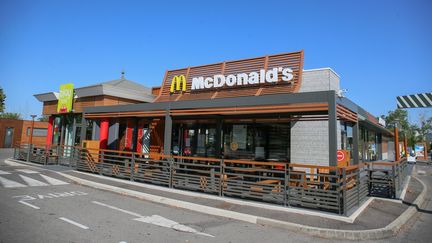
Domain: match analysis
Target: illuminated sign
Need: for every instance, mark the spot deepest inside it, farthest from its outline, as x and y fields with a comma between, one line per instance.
x=178, y=83
x=263, y=76
x=65, y=98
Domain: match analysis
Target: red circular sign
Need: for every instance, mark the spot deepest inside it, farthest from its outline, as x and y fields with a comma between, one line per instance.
x=340, y=155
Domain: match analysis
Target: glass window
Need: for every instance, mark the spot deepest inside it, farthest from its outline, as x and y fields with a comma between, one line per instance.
x=37, y=132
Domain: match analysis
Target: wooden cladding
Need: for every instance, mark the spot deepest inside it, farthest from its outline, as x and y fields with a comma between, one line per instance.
x=50, y=107
x=307, y=107
x=292, y=60
x=345, y=114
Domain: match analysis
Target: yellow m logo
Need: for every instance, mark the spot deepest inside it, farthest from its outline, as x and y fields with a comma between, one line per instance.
x=177, y=82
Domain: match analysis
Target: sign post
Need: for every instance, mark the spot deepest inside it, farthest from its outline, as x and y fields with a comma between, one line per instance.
x=343, y=158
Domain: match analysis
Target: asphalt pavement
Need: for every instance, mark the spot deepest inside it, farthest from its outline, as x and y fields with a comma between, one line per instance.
x=38, y=205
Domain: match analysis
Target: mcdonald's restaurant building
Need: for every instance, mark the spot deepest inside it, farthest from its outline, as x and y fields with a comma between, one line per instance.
x=265, y=109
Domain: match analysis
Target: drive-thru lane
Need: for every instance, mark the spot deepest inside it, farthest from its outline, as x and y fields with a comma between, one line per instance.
x=54, y=209
x=74, y=213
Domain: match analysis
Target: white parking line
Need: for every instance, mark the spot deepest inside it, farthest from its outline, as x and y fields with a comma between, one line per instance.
x=9, y=183
x=118, y=209
x=30, y=205
x=74, y=223
x=27, y=171
x=53, y=181
x=4, y=172
x=32, y=182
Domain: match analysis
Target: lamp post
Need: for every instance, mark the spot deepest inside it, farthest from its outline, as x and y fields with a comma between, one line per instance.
x=396, y=139
x=31, y=138
x=31, y=129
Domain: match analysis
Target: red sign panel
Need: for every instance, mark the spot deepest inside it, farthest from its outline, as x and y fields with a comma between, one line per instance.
x=340, y=156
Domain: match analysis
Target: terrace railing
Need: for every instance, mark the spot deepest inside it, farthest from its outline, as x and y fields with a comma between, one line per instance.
x=325, y=188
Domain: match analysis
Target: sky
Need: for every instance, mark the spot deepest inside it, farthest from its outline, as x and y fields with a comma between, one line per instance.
x=380, y=49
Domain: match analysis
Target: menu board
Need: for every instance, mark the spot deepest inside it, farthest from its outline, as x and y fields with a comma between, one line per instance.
x=240, y=135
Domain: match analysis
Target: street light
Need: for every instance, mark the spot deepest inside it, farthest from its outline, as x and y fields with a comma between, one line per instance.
x=31, y=129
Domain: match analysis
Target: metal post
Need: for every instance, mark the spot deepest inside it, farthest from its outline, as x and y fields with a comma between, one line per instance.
x=59, y=155
x=71, y=157
x=288, y=178
x=344, y=192
x=332, y=128
x=167, y=134
x=171, y=163
x=394, y=189
x=369, y=175
x=358, y=185
x=83, y=129
x=101, y=161
x=355, y=152
x=30, y=147
x=379, y=147
x=338, y=190
x=396, y=142
x=132, y=167
x=222, y=177
x=285, y=186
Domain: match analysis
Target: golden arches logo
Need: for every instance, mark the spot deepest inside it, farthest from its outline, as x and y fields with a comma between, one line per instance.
x=178, y=83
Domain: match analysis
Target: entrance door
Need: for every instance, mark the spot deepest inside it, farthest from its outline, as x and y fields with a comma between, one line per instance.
x=8, y=137
x=145, y=140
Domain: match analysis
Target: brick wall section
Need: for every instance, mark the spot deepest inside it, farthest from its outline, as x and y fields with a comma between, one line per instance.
x=16, y=124
x=38, y=141
x=20, y=131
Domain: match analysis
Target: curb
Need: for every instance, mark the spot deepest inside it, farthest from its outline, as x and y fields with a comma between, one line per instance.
x=372, y=234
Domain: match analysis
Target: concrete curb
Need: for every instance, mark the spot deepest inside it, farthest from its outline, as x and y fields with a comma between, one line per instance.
x=372, y=234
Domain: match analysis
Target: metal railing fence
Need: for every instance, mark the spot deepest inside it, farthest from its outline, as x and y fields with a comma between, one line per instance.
x=324, y=188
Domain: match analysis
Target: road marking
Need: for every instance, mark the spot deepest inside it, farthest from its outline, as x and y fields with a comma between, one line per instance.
x=12, y=163
x=9, y=183
x=74, y=223
x=53, y=181
x=32, y=182
x=156, y=220
x=27, y=171
x=421, y=172
x=118, y=209
x=28, y=204
x=4, y=172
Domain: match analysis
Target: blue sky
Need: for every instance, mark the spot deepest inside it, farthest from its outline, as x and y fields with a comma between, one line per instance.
x=380, y=49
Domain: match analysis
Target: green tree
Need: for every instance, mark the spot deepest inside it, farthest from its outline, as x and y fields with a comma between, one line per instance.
x=43, y=118
x=10, y=115
x=2, y=100
x=400, y=117
x=425, y=126
x=397, y=116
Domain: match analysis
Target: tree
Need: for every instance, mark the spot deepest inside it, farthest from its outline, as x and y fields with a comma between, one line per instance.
x=405, y=128
x=2, y=100
x=43, y=118
x=10, y=115
x=425, y=126
x=400, y=116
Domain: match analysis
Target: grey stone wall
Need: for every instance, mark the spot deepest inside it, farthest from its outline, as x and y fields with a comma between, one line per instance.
x=309, y=142
x=319, y=80
x=309, y=139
